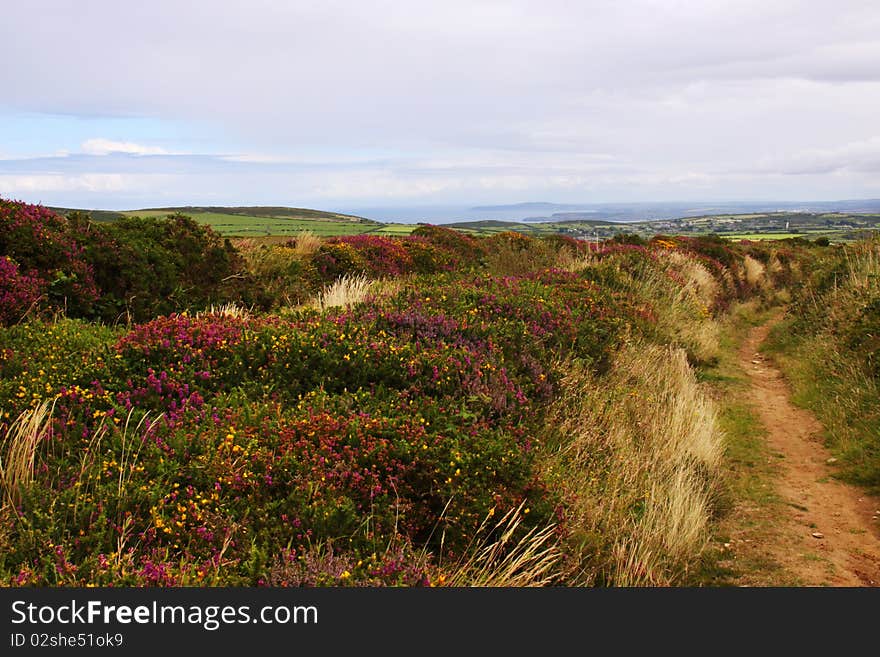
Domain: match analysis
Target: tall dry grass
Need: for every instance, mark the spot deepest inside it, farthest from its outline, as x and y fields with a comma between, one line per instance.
x=344, y=292
x=512, y=254
x=230, y=309
x=497, y=558
x=278, y=268
x=638, y=454
x=856, y=282
x=305, y=243
x=681, y=292
x=682, y=306
x=754, y=271
x=18, y=451
x=568, y=261
x=863, y=265
x=698, y=280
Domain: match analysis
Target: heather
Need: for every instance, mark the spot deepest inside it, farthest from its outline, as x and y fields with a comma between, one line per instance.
x=129, y=270
x=412, y=418
x=482, y=410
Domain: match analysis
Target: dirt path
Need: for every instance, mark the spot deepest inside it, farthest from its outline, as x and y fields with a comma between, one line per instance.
x=829, y=534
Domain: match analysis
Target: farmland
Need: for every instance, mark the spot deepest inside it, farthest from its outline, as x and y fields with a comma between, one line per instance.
x=262, y=221
x=234, y=225
x=273, y=222
x=781, y=225
x=433, y=408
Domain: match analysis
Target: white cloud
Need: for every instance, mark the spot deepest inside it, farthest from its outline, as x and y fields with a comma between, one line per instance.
x=10, y=185
x=593, y=99
x=861, y=156
x=100, y=146
x=256, y=158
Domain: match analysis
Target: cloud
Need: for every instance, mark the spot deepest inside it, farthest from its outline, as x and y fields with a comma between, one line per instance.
x=86, y=182
x=859, y=157
x=404, y=99
x=99, y=146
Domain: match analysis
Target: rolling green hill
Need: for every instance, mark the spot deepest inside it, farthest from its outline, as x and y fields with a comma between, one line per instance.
x=260, y=221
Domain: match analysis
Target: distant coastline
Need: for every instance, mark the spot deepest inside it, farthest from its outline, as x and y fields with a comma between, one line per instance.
x=617, y=212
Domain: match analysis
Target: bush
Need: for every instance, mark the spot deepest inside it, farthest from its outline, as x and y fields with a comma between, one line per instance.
x=19, y=292
x=49, y=256
x=132, y=268
x=467, y=250
x=148, y=267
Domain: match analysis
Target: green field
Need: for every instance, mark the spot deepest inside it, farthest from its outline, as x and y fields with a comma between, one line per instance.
x=833, y=235
x=236, y=225
x=281, y=222
x=395, y=229
x=765, y=236
x=291, y=221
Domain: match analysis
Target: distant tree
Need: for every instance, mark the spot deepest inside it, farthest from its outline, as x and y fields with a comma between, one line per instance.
x=628, y=238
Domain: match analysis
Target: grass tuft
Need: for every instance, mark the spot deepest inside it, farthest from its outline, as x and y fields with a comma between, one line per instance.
x=495, y=558
x=344, y=292
x=18, y=451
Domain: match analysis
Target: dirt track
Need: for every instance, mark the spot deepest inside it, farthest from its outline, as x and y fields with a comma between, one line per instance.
x=830, y=532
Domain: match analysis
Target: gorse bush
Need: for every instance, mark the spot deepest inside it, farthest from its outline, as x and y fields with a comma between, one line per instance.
x=148, y=267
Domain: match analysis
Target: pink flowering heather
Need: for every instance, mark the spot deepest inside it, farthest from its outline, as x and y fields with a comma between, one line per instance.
x=18, y=292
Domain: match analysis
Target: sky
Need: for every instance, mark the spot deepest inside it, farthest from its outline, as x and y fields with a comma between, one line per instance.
x=334, y=105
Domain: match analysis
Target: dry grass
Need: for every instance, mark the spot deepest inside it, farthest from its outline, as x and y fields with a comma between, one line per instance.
x=226, y=310
x=278, y=267
x=389, y=287
x=300, y=246
x=754, y=271
x=859, y=283
x=863, y=265
x=682, y=306
x=684, y=313
x=774, y=266
x=639, y=454
x=344, y=292
x=305, y=244
x=531, y=560
x=697, y=278
x=265, y=259
x=19, y=449
x=570, y=262
x=518, y=255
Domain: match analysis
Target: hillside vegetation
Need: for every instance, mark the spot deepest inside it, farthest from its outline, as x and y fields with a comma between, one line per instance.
x=434, y=409
x=830, y=348
x=843, y=221
x=255, y=221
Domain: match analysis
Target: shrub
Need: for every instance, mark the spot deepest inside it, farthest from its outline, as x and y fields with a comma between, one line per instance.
x=19, y=292
x=49, y=255
x=511, y=253
x=156, y=266
x=466, y=249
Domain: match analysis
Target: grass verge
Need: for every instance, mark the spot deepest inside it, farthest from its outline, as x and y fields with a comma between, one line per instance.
x=637, y=455
x=844, y=398
x=748, y=509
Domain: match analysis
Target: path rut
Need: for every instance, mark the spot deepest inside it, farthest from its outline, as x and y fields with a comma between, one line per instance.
x=830, y=532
